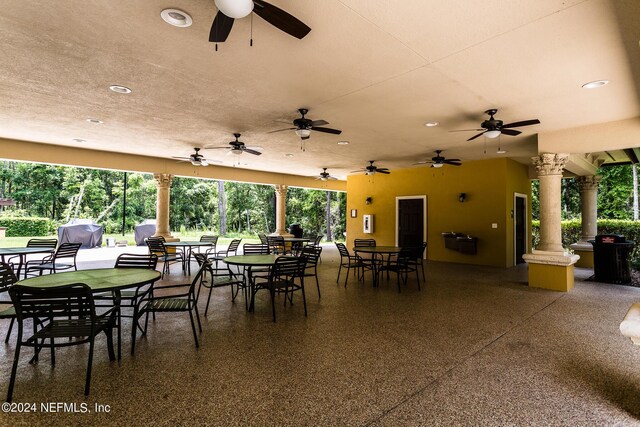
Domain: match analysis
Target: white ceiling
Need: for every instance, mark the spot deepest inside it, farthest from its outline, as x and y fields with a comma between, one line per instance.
x=378, y=70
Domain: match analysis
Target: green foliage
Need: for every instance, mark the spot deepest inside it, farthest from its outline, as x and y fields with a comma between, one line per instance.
x=17, y=227
x=615, y=192
x=572, y=231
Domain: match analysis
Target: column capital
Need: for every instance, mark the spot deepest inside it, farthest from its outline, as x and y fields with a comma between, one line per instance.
x=588, y=182
x=281, y=189
x=550, y=163
x=163, y=179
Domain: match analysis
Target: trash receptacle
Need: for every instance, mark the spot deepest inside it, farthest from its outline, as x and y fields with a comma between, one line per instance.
x=296, y=230
x=611, y=258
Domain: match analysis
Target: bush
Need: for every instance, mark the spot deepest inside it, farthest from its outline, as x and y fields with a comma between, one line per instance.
x=572, y=230
x=26, y=227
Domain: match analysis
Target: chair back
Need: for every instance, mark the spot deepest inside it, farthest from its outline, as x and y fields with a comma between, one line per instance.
x=276, y=243
x=42, y=243
x=233, y=246
x=156, y=246
x=318, y=238
x=312, y=254
x=209, y=239
x=148, y=261
x=364, y=242
x=287, y=268
x=7, y=277
x=263, y=238
x=67, y=301
x=67, y=250
x=344, y=252
x=255, y=248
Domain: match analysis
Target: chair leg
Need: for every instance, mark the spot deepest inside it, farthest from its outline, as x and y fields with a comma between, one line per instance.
x=206, y=310
x=14, y=368
x=87, y=383
x=195, y=306
x=109, y=333
x=339, y=270
x=193, y=328
x=53, y=352
x=347, y=278
x=6, y=340
x=304, y=298
x=317, y=284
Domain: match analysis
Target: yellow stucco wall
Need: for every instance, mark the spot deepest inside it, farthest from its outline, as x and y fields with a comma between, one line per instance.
x=488, y=184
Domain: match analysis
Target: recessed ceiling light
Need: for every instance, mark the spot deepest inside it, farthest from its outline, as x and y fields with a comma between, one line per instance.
x=176, y=17
x=431, y=124
x=343, y=142
x=595, y=84
x=79, y=140
x=95, y=121
x=288, y=155
x=120, y=89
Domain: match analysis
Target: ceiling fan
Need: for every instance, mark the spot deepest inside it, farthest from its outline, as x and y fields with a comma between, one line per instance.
x=492, y=128
x=196, y=159
x=371, y=169
x=304, y=126
x=325, y=176
x=438, y=161
x=236, y=147
x=228, y=10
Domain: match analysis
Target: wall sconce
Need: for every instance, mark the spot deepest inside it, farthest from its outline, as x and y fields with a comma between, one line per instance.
x=462, y=197
x=368, y=201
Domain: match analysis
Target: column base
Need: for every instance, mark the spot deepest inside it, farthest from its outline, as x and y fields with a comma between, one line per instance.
x=585, y=251
x=551, y=270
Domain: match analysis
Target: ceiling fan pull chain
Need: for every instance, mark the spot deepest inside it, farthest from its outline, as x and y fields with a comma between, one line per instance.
x=251, y=37
x=216, y=47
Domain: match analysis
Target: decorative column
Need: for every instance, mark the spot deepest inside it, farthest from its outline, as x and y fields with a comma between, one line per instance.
x=163, y=184
x=281, y=210
x=589, y=214
x=549, y=266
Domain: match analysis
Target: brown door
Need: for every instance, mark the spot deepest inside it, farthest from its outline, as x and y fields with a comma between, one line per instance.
x=521, y=228
x=410, y=222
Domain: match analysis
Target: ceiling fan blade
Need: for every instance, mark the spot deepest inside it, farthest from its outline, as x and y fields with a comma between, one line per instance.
x=332, y=178
x=475, y=136
x=466, y=130
x=220, y=28
x=281, y=19
x=447, y=162
x=319, y=123
x=181, y=158
x=327, y=130
x=522, y=123
x=511, y=132
x=215, y=148
x=250, y=151
x=386, y=172
x=451, y=160
x=282, y=130
x=359, y=170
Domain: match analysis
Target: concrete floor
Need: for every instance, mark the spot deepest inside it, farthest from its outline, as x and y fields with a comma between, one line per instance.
x=475, y=347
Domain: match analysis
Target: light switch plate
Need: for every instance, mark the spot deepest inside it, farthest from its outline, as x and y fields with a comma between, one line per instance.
x=494, y=225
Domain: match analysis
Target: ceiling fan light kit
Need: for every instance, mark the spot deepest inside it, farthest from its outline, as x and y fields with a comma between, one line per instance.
x=492, y=134
x=235, y=8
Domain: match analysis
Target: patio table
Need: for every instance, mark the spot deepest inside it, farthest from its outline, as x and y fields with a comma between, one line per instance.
x=22, y=253
x=188, y=246
x=377, y=250
x=251, y=261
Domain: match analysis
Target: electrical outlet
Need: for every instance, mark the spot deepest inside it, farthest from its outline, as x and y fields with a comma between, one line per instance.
x=494, y=225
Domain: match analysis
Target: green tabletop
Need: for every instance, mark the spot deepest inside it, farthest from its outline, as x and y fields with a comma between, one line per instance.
x=377, y=249
x=99, y=280
x=252, y=260
x=24, y=251
x=296, y=239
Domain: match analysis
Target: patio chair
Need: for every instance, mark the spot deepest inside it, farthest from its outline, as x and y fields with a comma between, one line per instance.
x=374, y=261
x=51, y=263
x=232, y=249
x=7, y=279
x=349, y=261
x=277, y=245
x=316, y=243
x=130, y=299
x=59, y=312
x=253, y=273
x=183, y=301
x=263, y=238
x=218, y=278
x=282, y=278
x=156, y=246
x=417, y=259
x=402, y=265
x=312, y=254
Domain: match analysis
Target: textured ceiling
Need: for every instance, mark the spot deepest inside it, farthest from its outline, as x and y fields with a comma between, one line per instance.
x=378, y=70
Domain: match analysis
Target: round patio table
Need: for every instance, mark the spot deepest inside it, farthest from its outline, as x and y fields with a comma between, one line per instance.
x=22, y=253
x=99, y=280
x=375, y=250
x=186, y=264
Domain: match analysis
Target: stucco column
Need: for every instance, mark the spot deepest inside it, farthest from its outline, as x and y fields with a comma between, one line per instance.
x=589, y=203
x=163, y=184
x=281, y=209
x=549, y=168
x=549, y=266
